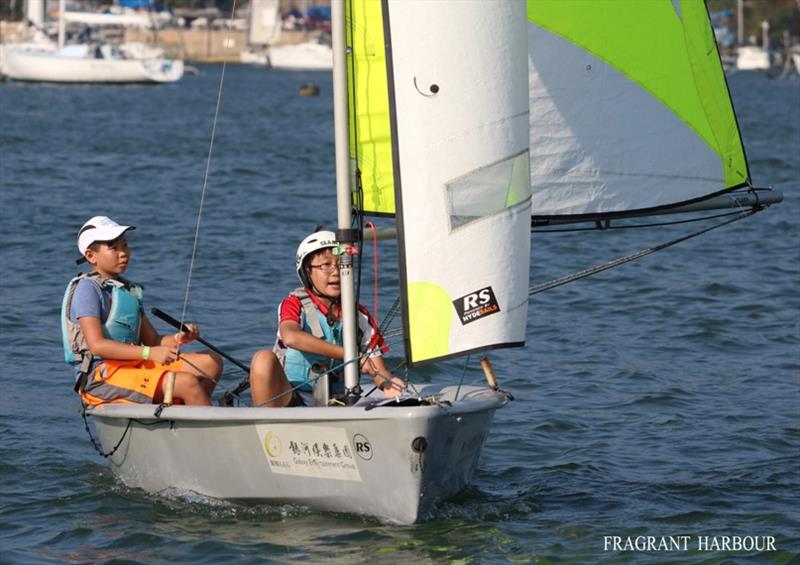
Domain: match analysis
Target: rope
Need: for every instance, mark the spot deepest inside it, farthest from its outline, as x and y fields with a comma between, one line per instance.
x=374, y=267
x=205, y=180
x=463, y=374
x=94, y=442
x=628, y=258
x=393, y=309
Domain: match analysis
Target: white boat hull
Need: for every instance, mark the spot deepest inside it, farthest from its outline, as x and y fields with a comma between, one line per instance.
x=303, y=56
x=49, y=67
x=355, y=460
x=752, y=58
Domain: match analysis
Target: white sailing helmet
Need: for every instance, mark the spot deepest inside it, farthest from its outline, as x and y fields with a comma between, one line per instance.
x=314, y=242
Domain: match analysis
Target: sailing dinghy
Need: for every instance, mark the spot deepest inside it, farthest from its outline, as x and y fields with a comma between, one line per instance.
x=432, y=127
x=452, y=163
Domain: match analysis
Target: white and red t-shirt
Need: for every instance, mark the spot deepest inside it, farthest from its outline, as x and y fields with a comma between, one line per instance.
x=291, y=309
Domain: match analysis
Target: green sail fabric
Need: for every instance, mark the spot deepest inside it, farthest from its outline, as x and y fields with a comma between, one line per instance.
x=667, y=47
x=368, y=107
x=629, y=108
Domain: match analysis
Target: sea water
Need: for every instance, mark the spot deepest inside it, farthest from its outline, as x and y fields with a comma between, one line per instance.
x=657, y=405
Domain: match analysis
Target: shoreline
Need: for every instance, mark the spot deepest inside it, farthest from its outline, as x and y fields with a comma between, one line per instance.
x=190, y=45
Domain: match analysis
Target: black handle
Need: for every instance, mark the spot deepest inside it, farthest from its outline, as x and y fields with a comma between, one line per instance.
x=183, y=327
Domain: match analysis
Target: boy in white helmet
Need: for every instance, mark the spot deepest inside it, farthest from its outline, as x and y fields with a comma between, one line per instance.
x=309, y=340
x=117, y=354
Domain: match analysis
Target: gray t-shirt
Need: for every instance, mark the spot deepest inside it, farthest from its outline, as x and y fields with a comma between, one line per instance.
x=90, y=299
x=94, y=301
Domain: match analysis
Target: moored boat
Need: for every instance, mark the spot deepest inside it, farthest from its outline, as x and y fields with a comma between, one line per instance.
x=86, y=63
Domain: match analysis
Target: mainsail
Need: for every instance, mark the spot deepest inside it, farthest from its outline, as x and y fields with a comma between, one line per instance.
x=630, y=111
x=439, y=138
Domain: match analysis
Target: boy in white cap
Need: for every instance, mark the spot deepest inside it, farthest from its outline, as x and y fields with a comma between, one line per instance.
x=117, y=354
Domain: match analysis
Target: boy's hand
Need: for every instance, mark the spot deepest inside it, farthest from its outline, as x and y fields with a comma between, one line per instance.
x=163, y=354
x=393, y=387
x=182, y=338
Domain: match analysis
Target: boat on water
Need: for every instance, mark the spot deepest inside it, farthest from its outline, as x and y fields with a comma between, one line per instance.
x=447, y=129
x=794, y=56
x=316, y=55
x=311, y=54
x=752, y=58
x=263, y=30
x=92, y=61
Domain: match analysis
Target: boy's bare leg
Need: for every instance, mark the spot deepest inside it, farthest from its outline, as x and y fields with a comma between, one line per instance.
x=267, y=380
x=208, y=371
x=187, y=388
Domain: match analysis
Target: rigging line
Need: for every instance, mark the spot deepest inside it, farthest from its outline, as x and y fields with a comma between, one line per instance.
x=358, y=193
x=463, y=374
x=374, y=268
x=658, y=224
x=641, y=253
x=205, y=179
x=384, y=325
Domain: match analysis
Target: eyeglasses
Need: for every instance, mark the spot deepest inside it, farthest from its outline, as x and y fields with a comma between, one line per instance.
x=326, y=268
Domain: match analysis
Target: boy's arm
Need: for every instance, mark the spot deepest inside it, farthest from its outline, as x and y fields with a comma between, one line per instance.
x=101, y=346
x=149, y=335
x=293, y=336
x=383, y=378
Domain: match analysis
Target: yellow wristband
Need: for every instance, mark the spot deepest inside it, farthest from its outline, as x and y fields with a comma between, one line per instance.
x=145, y=352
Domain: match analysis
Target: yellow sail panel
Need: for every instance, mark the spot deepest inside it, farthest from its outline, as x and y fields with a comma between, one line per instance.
x=368, y=101
x=431, y=308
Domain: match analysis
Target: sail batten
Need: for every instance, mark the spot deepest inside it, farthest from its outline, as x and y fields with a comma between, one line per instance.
x=630, y=110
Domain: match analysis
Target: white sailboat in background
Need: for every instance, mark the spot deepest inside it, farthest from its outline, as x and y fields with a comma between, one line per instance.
x=309, y=55
x=751, y=57
x=264, y=29
x=439, y=135
x=33, y=34
x=755, y=57
x=91, y=62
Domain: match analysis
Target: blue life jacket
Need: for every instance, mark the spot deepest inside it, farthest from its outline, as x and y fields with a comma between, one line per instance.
x=123, y=323
x=299, y=365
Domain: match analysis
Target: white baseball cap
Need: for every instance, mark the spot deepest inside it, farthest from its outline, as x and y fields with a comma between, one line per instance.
x=100, y=228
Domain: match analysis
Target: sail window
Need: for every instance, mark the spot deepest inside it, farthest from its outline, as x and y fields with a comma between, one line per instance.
x=488, y=190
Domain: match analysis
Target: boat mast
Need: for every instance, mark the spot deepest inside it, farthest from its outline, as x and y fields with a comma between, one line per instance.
x=344, y=202
x=34, y=12
x=62, y=32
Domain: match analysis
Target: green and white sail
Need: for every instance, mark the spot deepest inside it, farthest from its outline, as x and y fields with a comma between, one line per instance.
x=439, y=134
x=630, y=111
